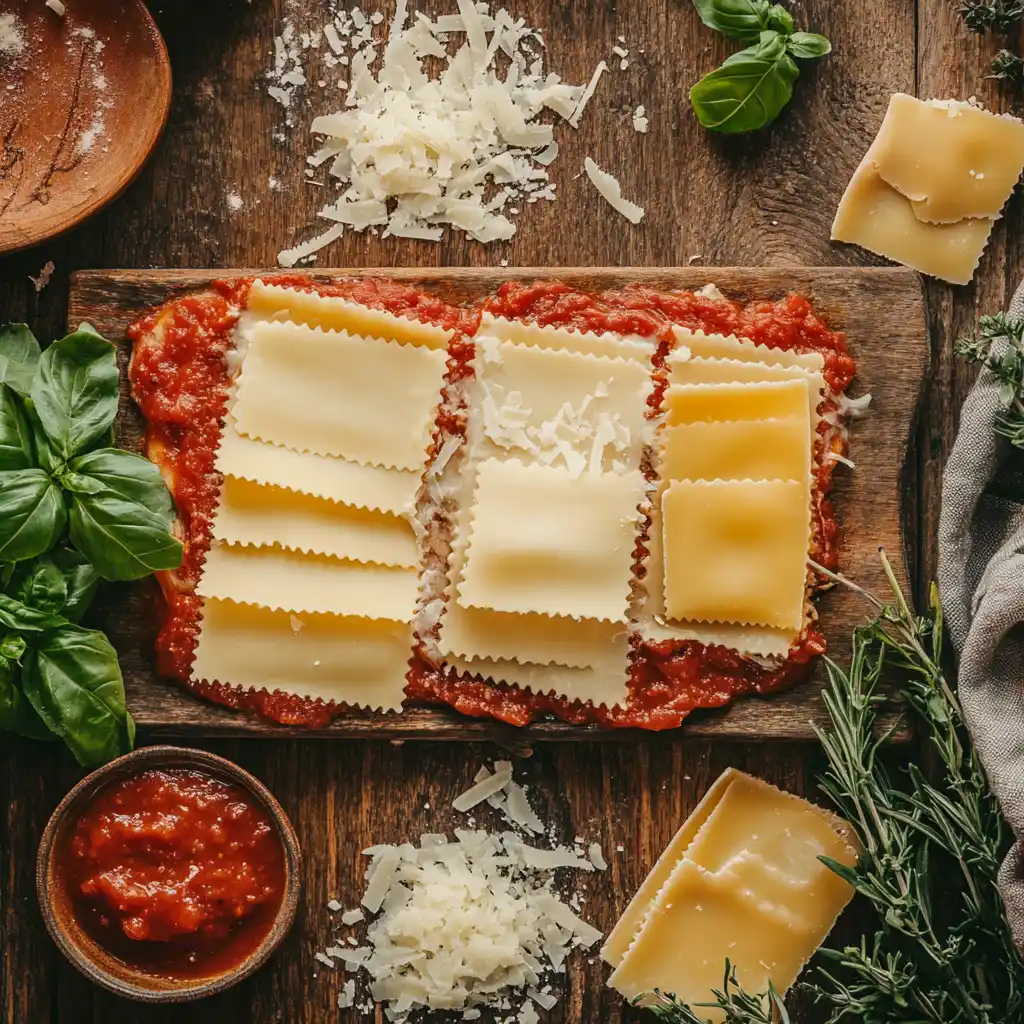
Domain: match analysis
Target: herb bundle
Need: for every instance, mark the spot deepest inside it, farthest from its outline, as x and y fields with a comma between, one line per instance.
x=1000, y=16
x=942, y=952
x=752, y=87
x=1006, y=366
x=73, y=511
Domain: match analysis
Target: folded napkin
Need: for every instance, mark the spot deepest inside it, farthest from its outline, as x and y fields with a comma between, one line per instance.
x=981, y=581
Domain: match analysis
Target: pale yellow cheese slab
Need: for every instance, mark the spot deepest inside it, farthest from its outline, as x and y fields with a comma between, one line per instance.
x=251, y=513
x=741, y=880
x=736, y=551
x=951, y=160
x=322, y=476
x=294, y=582
x=587, y=342
x=702, y=403
x=540, y=401
x=697, y=344
x=873, y=215
x=534, y=536
x=274, y=302
x=738, y=371
x=737, y=450
x=356, y=661
x=370, y=401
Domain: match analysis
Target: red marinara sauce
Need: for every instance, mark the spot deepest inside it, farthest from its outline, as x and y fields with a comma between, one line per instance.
x=180, y=379
x=174, y=872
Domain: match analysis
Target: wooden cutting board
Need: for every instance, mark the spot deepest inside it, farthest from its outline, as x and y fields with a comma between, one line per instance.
x=882, y=313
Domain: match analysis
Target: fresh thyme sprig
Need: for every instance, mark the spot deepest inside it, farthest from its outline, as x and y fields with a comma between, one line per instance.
x=1007, y=67
x=1007, y=368
x=991, y=15
x=943, y=951
x=739, y=1007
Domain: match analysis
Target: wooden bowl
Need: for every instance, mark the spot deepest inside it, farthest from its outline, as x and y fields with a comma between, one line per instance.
x=82, y=950
x=83, y=100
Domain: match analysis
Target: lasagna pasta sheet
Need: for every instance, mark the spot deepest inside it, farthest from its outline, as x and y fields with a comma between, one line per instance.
x=720, y=346
x=323, y=392
x=352, y=660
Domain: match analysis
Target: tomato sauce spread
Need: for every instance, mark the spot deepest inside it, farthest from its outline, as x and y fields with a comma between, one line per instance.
x=180, y=379
x=174, y=872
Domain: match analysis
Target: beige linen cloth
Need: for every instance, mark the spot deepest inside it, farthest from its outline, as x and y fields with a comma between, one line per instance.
x=981, y=580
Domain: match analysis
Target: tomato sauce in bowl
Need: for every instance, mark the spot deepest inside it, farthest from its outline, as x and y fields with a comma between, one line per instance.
x=171, y=874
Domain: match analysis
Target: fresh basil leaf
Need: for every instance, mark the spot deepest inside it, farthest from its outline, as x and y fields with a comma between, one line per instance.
x=122, y=539
x=82, y=581
x=44, y=587
x=780, y=20
x=124, y=474
x=808, y=45
x=32, y=514
x=17, y=616
x=16, y=448
x=19, y=356
x=72, y=679
x=737, y=19
x=16, y=714
x=749, y=90
x=12, y=648
x=75, y=391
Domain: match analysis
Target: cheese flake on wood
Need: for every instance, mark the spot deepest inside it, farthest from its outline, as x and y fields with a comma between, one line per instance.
x=294, y=582
x=370, y=401
x=350, y=660
x=742, y=880
x=544, y=542
x=611, y=190
x=330, y=312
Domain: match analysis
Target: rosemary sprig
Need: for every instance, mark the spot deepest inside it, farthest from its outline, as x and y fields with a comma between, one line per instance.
x=943, y=950
x=1007, y=368
x=739, y=1007
x=991, y=15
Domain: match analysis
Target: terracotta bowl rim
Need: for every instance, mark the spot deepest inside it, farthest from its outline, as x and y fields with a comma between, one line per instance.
x=129, y=764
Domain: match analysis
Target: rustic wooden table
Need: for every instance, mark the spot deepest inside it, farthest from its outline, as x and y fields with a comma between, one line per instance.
x=766, y=200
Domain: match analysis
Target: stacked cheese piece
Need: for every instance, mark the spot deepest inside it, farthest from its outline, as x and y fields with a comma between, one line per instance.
x=542, y=556
x=311, y=581
x=932, y=185
x=730, y=528
x=741, y=881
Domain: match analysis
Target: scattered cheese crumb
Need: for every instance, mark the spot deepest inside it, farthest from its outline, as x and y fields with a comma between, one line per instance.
x=333, y=905
x=352, y=916
x=12, y=36
x=640, y=121
x=588, y=92
x=611, y=190
x=44, y=276
x=347, y=996
x=57, y=7
x=234, y=201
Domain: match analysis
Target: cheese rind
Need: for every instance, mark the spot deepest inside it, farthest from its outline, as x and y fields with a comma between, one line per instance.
x=349, y=660
x=322, y=476
x=951, y=160
x=249, y=513
x=742, y=880
x=294, y=582
x=534, y=535
x=324, y=392
x=736, y=551
x=330, y=312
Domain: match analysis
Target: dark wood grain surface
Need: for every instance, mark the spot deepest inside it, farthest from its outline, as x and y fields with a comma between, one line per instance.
x=882, y=312
x=763, y=201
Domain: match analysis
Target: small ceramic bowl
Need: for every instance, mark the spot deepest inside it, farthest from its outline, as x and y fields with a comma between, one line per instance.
x=84, y=952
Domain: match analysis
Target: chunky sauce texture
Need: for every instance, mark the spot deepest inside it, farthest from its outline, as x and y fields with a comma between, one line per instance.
x=175, y=873
x=179, y=380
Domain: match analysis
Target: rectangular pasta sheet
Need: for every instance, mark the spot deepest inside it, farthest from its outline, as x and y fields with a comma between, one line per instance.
x=736, y=371
x=291, y=581
x=541, y=541
x=274, y=302
x=322, y=476
x=705, y=403
x=736, y=551
x=356, y=661
x=369, y=401
x=250, y=513
x=615, y=346
x=721, y=346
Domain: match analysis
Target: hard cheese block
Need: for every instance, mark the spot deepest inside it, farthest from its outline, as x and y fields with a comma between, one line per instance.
x=742, y=880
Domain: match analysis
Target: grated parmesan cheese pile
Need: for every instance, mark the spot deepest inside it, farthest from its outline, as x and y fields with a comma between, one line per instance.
x=470, y=922
x=442, y=135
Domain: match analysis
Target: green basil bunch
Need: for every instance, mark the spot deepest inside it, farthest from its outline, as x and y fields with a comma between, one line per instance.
x=73, y=511
x=752, y=87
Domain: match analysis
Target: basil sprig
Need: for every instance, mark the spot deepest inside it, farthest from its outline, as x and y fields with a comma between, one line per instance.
x=752, y=87
x=73, y=511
